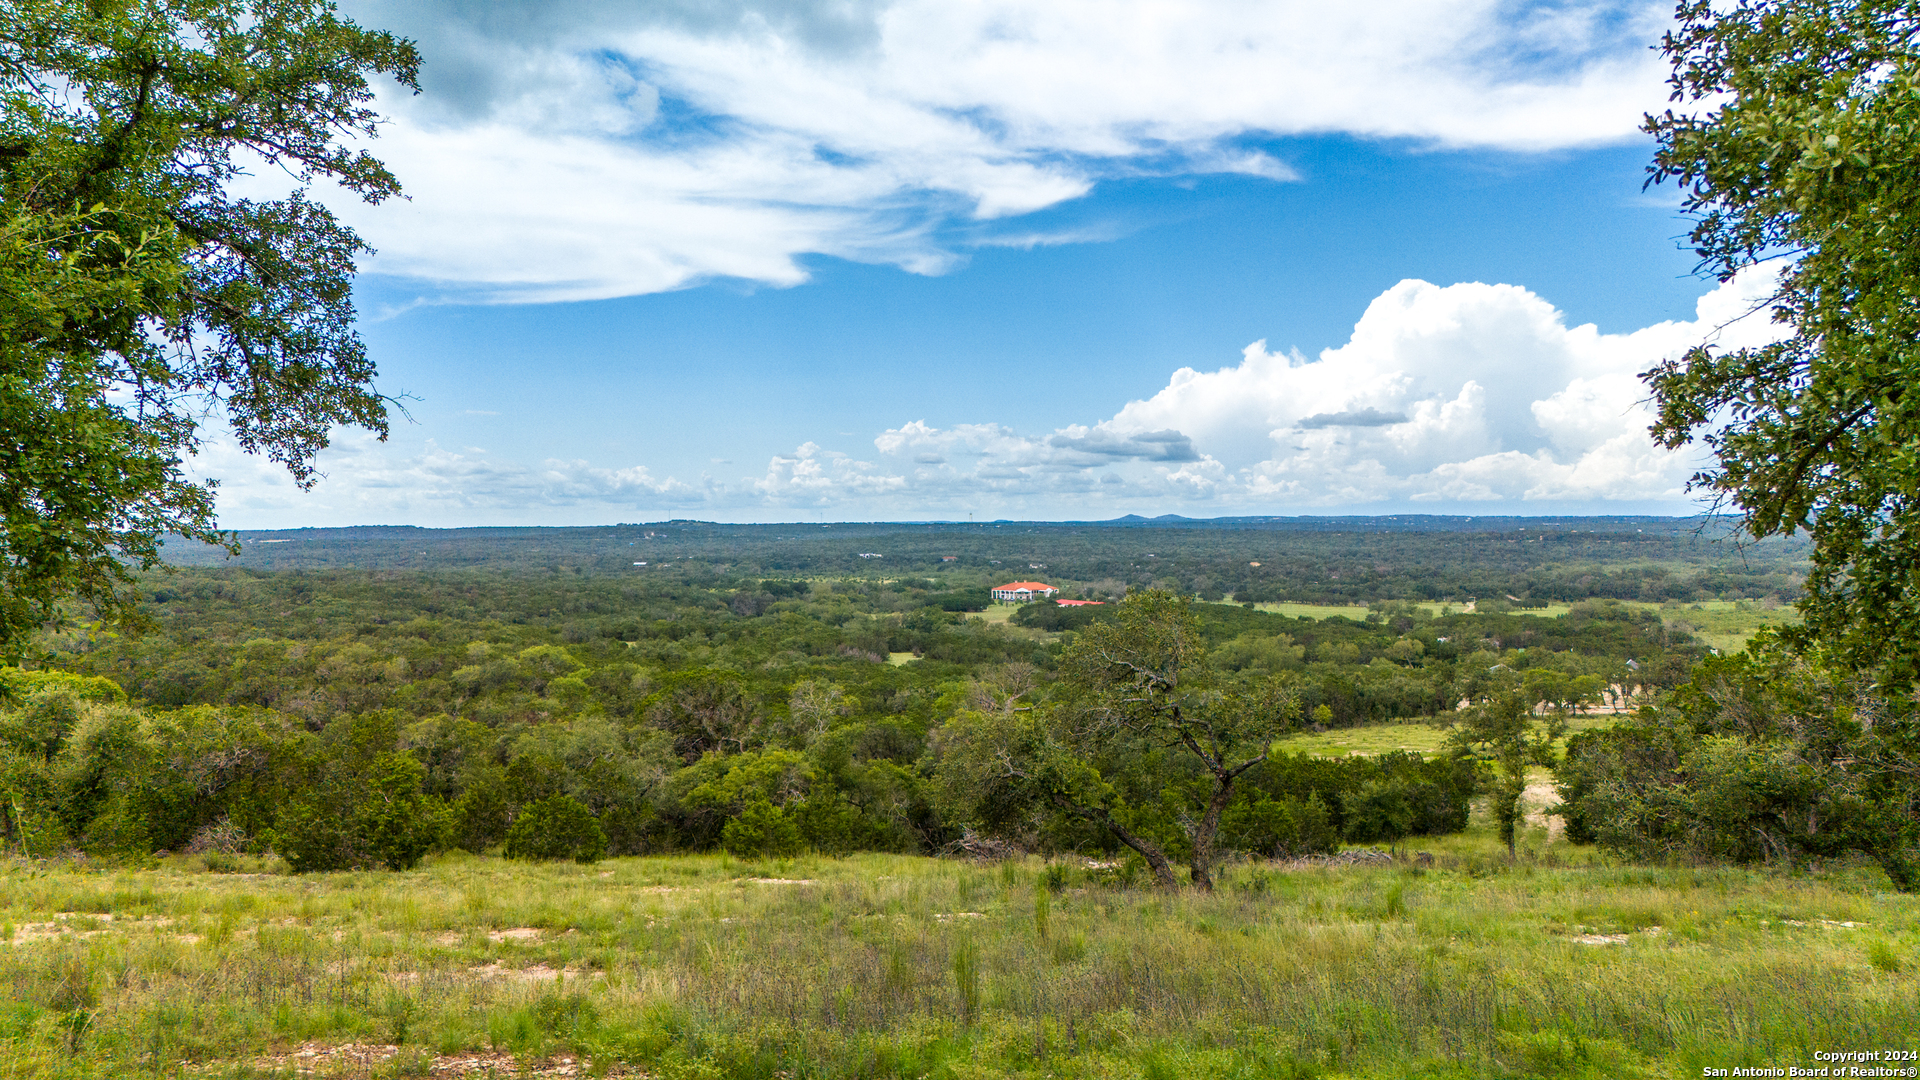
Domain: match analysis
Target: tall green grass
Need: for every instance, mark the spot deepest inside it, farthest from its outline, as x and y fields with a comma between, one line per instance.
x=894, y=966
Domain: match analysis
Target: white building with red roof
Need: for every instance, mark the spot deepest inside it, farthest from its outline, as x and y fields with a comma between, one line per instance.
x=1019, y=592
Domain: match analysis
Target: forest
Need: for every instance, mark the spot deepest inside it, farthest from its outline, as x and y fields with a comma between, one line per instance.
x=589, y=702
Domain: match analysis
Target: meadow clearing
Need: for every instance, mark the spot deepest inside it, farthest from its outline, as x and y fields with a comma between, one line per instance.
x=1724, y=624
x=1561, y=963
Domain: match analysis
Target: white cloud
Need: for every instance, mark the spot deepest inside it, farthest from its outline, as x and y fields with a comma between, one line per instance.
x=613, y=148
x=365, y=481
x=1469, y=396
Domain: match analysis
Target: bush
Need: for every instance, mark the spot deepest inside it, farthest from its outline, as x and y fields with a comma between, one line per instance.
x=1285, y=827
x=828, y=823
x=556, y=828
x=1051, y=617
x=761, y=830
x=1381, y=810
x=363, y=804
x=961, y=600
x=481, y=816
x=387, y=823
x=1386, y=797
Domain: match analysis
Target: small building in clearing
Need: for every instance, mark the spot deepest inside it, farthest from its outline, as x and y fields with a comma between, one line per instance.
x=1020, y=592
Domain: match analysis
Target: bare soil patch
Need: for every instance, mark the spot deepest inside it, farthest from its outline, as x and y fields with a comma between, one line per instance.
x=362, y=1059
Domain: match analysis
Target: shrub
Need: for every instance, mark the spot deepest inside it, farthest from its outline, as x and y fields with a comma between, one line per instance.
x=1379, y=798
x=556, y=828
x=480, y=817
x=1381, y=810
x=388, y=823
x=828, y=823
x=1286, y=827
x=761, y=830
x=364, y=803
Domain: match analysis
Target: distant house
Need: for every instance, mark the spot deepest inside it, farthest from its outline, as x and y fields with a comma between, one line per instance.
x=949, y=558
x=1019, y=592
x=1079, y=603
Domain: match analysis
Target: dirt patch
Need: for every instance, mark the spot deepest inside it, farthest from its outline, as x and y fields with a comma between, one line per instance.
x=778, y=881
x=79, y=924
x=1828, y=923
x=451, y=938
x=532, y=973
x=1582, y=937
x=28, y=933
x=360, y=1059
x=1539, y=795
x=961, y=915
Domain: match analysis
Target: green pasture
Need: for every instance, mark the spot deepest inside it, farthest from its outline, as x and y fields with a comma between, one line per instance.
x=1724, y=624
x=1418, y=733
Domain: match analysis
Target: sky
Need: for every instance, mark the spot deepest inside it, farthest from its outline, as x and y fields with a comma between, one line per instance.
x=752, y=260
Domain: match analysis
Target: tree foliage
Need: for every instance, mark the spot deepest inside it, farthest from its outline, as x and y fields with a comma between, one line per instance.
x=138, y=293
x=1767, y=755
x=1142, y=743
x=1797, y=139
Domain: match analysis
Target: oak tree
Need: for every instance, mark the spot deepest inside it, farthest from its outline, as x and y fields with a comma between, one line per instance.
x=1143, y=744
x=1795, y=139
x=140, y=294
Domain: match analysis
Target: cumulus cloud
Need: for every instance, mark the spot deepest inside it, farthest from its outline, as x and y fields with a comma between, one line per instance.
x=609, y=148
x=1468, y=396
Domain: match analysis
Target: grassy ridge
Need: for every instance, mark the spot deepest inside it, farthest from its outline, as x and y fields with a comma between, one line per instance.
x=903, y=966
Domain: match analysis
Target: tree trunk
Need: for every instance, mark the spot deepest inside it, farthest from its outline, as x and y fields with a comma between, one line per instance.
x=1156, y=859
x=1207, y=832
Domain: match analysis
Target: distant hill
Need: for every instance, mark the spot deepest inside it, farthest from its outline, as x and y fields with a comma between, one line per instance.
x=1298, y=558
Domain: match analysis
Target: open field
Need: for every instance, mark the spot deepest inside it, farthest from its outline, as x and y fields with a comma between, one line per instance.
x=884, y=966
x=1414, y=734
x=1372, y=739
x=1724, y=624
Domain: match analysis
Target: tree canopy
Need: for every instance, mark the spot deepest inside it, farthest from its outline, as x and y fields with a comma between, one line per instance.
x=1797, y=140
x=139, y=294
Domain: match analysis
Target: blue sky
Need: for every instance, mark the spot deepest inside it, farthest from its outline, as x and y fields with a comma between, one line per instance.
x=905, y=260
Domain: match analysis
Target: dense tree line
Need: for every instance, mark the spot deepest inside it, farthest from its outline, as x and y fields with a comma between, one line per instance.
x=347, y=718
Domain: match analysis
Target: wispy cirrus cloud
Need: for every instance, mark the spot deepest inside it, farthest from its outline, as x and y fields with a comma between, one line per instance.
x=619, y=147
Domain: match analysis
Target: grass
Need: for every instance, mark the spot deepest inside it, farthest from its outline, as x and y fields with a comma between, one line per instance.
x=996, y=614
x=1560, y=964
x=1723, y=624
x=1416, y=733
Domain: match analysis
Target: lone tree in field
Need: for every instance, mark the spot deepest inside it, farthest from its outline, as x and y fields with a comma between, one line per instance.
x=138, y=295
x=1142, y=744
